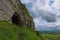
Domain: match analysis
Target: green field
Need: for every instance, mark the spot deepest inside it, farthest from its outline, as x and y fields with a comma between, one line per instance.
x=48, y=36
x=10, y=32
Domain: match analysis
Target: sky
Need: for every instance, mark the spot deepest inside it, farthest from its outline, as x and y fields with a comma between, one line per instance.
x=45, y=13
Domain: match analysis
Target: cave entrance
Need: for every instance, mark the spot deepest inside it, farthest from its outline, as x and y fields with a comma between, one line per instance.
x=15, y=18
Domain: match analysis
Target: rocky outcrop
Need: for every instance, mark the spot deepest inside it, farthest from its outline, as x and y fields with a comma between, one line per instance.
x=15, y=12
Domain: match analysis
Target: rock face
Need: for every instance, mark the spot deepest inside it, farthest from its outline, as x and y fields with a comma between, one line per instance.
x=15, y=12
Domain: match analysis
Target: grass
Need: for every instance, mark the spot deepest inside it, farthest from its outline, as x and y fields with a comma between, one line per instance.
x=8, y=31
x=50, y=36
x=28, y=34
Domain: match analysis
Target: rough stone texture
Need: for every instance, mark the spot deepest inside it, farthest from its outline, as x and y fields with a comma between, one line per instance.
x=9, y=7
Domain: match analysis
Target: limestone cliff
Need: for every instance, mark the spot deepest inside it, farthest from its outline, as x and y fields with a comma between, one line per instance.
x=15, y=12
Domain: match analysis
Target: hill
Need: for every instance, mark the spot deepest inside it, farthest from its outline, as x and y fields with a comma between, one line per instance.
x=50, y=36
x=10, y=32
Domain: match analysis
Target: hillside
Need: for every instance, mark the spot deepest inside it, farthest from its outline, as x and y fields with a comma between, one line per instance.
x=17, y=24
x=15, y=12
x=50, y=36
x=13, y=16
x=10, y=32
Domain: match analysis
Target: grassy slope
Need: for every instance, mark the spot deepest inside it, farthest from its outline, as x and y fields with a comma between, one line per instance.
x=28, y=34
x=50, y=36
x=9, y=32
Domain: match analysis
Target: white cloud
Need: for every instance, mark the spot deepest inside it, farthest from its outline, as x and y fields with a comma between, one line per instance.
x=40, y=9
x=57, y=4
x=26, y=1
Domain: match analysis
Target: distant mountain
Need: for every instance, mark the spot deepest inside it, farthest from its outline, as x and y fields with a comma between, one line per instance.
x=51, y=31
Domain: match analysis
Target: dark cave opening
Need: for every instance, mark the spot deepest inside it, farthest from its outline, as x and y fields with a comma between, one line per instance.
x=15, y=18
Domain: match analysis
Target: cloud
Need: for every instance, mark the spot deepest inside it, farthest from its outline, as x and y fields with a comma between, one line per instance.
x=25, y=1
x=45, y=13
x=51, y=2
